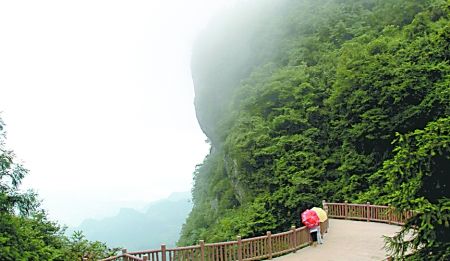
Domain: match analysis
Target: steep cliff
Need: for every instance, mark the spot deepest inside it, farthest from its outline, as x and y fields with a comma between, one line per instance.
x=302, y=100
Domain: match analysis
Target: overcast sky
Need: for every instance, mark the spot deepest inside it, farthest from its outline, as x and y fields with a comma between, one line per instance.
x=97, y=98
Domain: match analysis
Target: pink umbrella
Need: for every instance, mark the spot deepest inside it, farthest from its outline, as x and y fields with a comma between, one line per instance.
x=310, y=218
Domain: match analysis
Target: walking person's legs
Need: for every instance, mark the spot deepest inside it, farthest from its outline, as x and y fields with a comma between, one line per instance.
x=319, y=237
x=314, y=238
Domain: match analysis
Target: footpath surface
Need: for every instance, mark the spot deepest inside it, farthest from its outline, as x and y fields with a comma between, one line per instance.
x=348, y=240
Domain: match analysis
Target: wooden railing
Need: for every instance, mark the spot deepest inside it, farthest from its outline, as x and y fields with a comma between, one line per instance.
x=256, y=248
x=269, y=245
x=367, y=212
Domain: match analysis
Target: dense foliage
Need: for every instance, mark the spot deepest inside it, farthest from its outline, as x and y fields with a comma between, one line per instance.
x=25, y=231
x=416, y=179
x=304, y=100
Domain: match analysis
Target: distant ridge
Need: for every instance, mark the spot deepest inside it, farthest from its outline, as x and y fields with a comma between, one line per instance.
x=159, y=222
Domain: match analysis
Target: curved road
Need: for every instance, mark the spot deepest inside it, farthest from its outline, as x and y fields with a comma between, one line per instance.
x=348, y=240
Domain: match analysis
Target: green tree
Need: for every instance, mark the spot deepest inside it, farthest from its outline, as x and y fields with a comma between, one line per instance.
x=417, y=179
x=25, y=231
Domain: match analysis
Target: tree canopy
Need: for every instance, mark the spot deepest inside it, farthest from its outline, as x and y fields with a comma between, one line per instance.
x=25, y=231
x=327, y=99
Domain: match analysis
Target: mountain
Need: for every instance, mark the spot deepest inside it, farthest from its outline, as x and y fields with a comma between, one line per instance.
x=160, y=222
x=304, y=100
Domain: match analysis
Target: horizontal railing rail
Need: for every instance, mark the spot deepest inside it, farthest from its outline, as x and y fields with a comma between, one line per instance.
x=367, y=212
x=269, y=245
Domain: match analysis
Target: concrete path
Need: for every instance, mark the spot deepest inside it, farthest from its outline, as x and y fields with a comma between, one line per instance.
x=348, y=240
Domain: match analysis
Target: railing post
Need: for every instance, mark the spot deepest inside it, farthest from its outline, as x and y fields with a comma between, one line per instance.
x=202, y=250
x=163, y=252
x=346, y=209
x=124, y=251
x=269, y=243
x=368, y=211
x=294, y=239
x=239, y=250
x=389, y=214
x=325, y=206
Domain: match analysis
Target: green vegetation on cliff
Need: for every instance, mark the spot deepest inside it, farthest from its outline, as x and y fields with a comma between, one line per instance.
x=326, y=99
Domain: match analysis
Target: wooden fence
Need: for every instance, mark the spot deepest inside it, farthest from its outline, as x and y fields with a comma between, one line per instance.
x=367, y=212
x=269, y=245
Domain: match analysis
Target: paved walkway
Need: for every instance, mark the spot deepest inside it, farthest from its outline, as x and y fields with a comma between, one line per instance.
x=348, y=240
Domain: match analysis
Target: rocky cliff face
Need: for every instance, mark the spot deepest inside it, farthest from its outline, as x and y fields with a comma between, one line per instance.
x=301, y=101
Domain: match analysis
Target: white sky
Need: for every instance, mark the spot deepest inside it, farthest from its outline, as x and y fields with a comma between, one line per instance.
x=97, y=97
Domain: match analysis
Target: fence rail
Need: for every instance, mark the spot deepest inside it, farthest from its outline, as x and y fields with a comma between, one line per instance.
x=269, y=245
x=367, y=212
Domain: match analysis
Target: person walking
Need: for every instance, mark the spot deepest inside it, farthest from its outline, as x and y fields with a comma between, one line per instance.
x=323, y=222
x=316, y=235
x=311, y=221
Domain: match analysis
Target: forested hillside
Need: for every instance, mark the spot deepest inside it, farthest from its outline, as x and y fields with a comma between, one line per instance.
x=304, y=100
